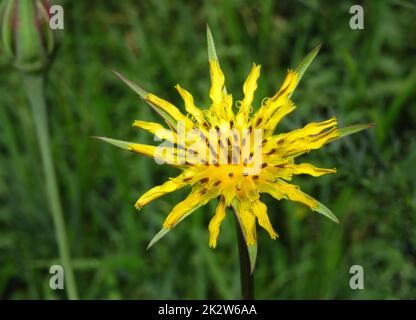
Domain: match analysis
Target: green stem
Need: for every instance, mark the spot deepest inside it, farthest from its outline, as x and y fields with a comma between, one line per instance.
x=246, y=277
x=34, y=86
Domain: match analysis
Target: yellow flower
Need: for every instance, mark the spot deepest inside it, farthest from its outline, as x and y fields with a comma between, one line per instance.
x=216, y=151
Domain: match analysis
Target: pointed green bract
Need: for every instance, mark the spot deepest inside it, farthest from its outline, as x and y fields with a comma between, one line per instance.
x=157, y=237
x=305, y=63
x=136, y=88
x=143, y=93
x=252, y=254
x=164, y=231
x=212, y=54
x=118, y=143
x=354, y=129
x=326, y=212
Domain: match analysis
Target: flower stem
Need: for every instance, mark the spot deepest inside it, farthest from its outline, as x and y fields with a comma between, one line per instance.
x=246, y=277
x=34, y=86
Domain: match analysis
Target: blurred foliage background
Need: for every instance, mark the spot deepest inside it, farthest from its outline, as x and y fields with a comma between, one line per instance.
x=359, y=76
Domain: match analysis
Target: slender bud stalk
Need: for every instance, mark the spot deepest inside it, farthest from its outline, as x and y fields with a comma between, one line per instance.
x=29, y=42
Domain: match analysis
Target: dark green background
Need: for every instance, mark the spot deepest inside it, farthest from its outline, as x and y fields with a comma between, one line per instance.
x=359, y=76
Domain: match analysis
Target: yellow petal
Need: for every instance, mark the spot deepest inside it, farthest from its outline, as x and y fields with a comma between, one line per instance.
x=269, y=106
x=156, y=129
x=190, y=105
x=278, y=116
x=228, y=191
x=312, y=136
x=260, y=211
x=270, y=188
x=152, y=127
x=142, y=149
x=295, y=194
x=228, y=108
x=165, y=188
x=217, y=82
x=250, y=86
x=289, y=84
x=215, y=223
x=310, y=143
x=167, y=107
x=306, y=168
x=248, y=222
x=311, y=129
x=198, y=197
x=161, y=154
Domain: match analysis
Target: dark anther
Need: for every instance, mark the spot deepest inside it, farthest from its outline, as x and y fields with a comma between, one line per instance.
x=217, y=183
x=204, y=180
x=222, y=146
x=231, y=174
x=193, y=152
x=263, y=165
x=279, y=165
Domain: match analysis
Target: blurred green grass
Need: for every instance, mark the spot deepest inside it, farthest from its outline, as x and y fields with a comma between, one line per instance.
x=358, y=76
